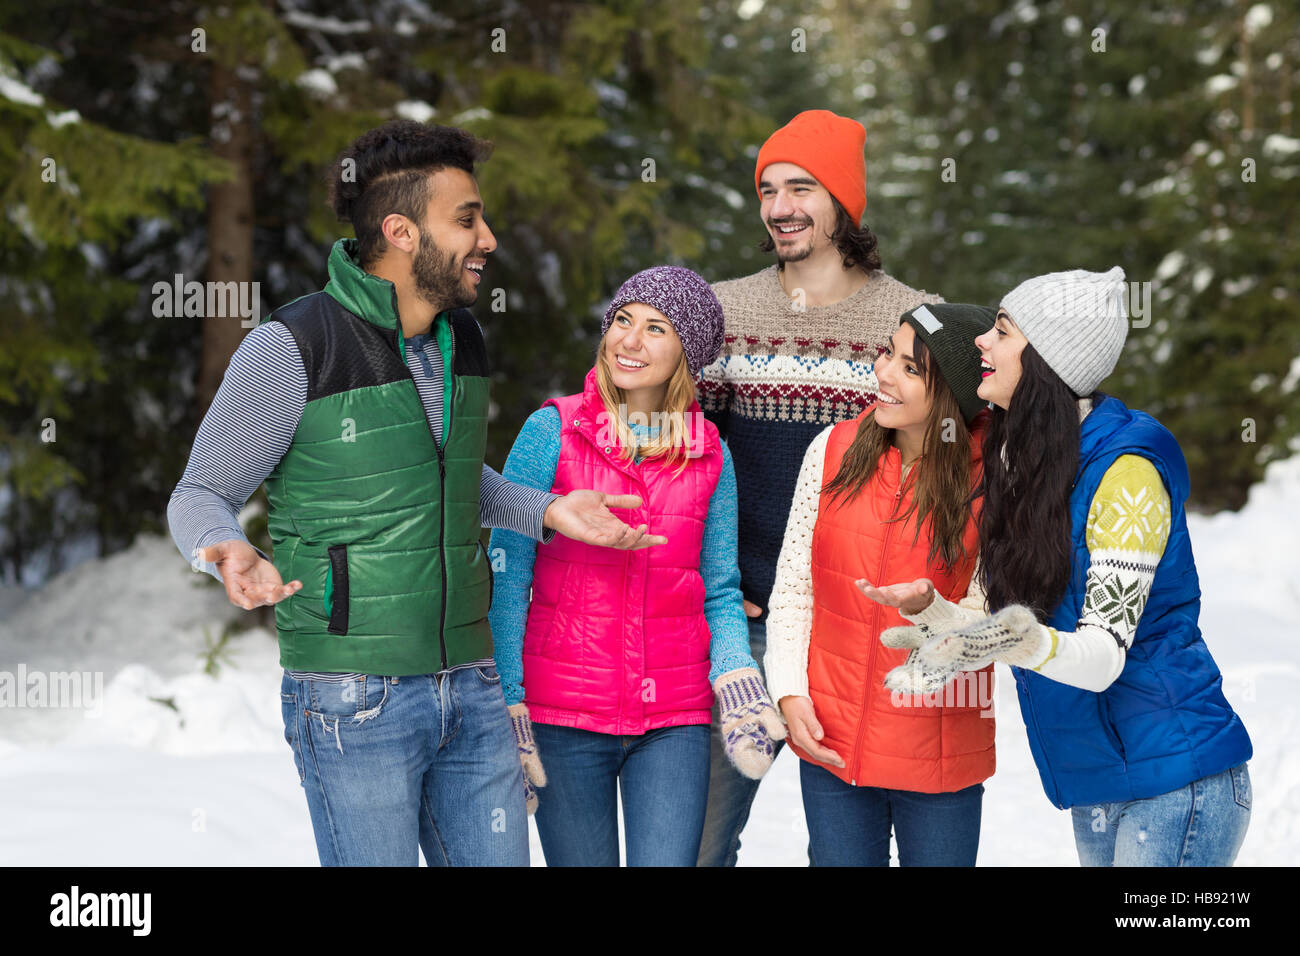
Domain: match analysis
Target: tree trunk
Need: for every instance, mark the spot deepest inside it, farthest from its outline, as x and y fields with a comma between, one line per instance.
x=230, y=222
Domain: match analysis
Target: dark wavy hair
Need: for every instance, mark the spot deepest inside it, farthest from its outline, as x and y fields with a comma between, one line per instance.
x=857, y=244
x=1031, y=454
x=941, y=479
x=386, y=171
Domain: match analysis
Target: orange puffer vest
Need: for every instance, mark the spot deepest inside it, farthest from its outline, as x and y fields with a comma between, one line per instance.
x=930, y=744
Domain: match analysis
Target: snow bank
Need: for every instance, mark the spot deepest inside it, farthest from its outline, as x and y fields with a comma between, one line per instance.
x=182, y=767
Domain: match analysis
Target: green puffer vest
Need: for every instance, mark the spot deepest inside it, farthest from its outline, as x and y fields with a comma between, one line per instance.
x=377, y=519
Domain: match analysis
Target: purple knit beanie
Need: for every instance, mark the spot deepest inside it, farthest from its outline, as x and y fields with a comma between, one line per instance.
x=689, y=303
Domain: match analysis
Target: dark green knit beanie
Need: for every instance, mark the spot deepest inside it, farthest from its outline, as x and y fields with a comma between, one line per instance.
x=948, y=330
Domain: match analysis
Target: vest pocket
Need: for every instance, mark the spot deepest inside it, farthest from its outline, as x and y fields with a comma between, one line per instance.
x=1111, y=733
x=336, y=589
x=556, y=639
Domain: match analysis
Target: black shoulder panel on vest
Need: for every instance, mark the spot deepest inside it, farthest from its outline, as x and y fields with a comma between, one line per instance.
x=471, y=353
x=339, y=350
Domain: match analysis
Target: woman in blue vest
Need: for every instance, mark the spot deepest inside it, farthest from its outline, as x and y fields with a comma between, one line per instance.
x=1087, y=571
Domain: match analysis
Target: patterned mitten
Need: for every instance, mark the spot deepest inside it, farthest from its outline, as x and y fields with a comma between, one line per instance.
x=534, y=775
x=750, y=724
x=908, y=637
x=1012, y=636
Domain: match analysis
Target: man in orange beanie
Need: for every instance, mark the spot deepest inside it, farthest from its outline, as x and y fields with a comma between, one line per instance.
x=801, y=342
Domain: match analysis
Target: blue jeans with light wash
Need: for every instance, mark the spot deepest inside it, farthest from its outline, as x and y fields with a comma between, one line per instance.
x=1201, y=824
x=850, y=826
x=731, y=793
x=663, y=776
x=395, y=765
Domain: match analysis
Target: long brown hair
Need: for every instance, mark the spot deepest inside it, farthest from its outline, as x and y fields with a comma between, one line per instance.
x=941, y=478
x=673, y=443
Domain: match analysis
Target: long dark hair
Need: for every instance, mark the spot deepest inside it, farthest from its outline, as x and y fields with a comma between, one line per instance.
x=857, y=245
x=941, y=477
x=1031, y=454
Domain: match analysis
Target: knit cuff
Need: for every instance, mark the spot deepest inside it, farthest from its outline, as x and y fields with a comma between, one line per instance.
x=216, y=536
x=738, y=687
x=1051, y=653
x=786, y=677
x=942, y=614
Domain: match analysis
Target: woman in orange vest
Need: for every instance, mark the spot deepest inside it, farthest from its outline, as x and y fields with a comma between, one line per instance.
x=886, y=496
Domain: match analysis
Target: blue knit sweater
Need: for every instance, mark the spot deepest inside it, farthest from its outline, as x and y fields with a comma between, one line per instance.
x=532, y=462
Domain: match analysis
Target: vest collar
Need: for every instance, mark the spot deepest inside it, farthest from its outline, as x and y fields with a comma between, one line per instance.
x=1101, y=424
x=1112, y=429
x=592, y=414
x=364, y=295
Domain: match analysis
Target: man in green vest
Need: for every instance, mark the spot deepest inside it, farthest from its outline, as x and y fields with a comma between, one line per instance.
x=364, y=409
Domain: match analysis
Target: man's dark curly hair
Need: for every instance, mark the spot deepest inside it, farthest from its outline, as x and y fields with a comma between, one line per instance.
x=386, y=171
x=857, y=245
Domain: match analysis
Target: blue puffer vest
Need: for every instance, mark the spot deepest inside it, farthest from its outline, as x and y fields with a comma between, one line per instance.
x=1164, y=722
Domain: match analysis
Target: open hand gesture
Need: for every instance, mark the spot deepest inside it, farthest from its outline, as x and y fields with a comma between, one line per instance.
x=585, y=516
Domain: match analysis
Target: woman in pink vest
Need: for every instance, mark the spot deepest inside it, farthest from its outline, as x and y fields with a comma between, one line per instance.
x=883, y=497
x=611, y=661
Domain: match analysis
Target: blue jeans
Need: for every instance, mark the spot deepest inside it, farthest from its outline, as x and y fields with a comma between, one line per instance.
x=1201, y=824
x=849, y=826
x=396, y=765
x=664, y=778
x=731, y=793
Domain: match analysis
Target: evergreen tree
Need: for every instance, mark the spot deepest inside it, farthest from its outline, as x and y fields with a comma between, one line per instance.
x=1081, y=137
x=80, y=385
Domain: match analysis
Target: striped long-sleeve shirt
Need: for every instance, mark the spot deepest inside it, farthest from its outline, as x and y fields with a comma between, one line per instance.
x=250, y=426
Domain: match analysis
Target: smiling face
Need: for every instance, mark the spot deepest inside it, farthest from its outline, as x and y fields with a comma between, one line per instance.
x=453, y=242
x=798, y=212
x=641, y=347
x=1000, y=349
x=905, y=402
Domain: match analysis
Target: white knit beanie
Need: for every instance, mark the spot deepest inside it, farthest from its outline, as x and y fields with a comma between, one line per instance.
x=1075, y=320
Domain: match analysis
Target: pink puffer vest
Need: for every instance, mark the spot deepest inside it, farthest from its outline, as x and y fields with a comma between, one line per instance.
x=616, y=640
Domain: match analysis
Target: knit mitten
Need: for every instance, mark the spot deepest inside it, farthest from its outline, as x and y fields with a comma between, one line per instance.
x=534, y=775
x=907, y=637
x=1012, y=636
x=751, y=726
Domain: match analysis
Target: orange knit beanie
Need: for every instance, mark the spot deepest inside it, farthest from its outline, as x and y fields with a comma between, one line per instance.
x=830, y=147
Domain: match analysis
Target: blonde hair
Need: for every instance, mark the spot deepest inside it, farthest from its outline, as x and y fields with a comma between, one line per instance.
x=672, y=444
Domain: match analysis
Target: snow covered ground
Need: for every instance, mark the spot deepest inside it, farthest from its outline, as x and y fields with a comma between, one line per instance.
x=171, y=766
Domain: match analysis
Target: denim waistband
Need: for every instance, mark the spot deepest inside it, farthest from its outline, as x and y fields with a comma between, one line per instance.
x=334, y=678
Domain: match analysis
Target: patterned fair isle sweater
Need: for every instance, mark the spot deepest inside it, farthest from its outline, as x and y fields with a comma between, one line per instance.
x=783, y=376
x=1128, y=527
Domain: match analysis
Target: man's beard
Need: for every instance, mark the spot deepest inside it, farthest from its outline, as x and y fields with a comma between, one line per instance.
x=439, y=279
x=797, y=255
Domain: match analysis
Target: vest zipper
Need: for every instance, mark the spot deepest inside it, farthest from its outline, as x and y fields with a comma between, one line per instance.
x=635, y=472
x=442, y=464
x=1033, y=719
x=871, y=653
x=448, y=382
